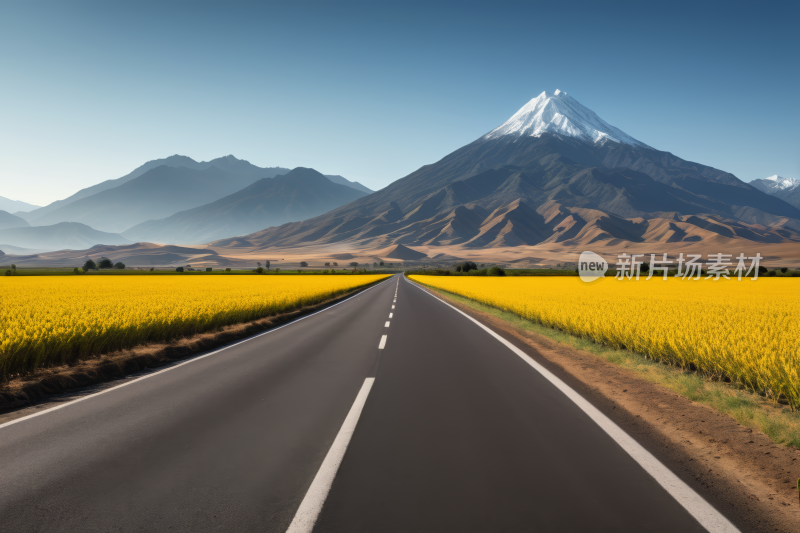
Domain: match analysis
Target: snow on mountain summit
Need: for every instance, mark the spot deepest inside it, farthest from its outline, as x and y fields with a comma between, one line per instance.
x=783, y=183
x=560, y=113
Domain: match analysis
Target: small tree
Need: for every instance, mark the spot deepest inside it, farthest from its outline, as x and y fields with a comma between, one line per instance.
x=208, y=269
x=227, y=269
x=466, y=266
x=762, y=270
x=179, y=269
x=335, y=264
x=645, y=268
x=381, y=263
x=105, y=262
x=266, y=264
x=771, y=273
x=120, y=266
x=14, y=268
x=8, y=272
x=89, y=265
x=76, y=270
x=354, y=264
x=259, y=264
x=497, y=271
x=327, y=264
x=391, y=264
x=784, y=269
x=303, y=264
x=260, y=270
x=152, y=269
x=277, y=270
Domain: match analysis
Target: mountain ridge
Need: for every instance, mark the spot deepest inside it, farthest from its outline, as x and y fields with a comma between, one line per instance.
x=299, y=194
x=225, y=163
x=517, y=174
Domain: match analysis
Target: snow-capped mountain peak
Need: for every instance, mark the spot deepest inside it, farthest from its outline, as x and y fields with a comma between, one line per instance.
x=783, y=184
x=561, y=114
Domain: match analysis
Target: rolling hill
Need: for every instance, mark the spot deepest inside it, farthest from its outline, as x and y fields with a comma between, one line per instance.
x=300, y=194
x=7, y=220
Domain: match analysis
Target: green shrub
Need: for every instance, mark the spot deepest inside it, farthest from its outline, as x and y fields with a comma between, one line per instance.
x=227, y=270
x=8, y=272
x=208, y=269
x=152, y=269
x=466, y=266
x=89, y=265
x=497, y=271
x=179, y=269
x=120, y=266
x=303, y=264
x=260, y=270
x=105, y=262
x=784, y=269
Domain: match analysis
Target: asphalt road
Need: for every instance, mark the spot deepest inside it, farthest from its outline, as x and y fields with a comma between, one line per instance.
x=457, y=433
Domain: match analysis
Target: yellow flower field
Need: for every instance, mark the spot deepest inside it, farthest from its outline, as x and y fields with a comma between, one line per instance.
x=746, y=331
x=55, y=320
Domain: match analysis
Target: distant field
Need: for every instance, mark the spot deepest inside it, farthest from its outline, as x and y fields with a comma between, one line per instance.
x=171, y=272
x=747, y=332
x=57, y=320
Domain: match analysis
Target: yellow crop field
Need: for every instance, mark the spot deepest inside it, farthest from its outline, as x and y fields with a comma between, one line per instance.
x=748, y=331
x=56, y=320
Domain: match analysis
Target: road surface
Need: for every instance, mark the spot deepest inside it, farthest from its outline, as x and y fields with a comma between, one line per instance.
x=390, y=411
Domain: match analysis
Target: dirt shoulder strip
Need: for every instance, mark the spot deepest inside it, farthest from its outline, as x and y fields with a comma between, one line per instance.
x=740, y=471
x=43, y=385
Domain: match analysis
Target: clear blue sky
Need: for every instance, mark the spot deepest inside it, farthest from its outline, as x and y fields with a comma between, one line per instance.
x=91, y=90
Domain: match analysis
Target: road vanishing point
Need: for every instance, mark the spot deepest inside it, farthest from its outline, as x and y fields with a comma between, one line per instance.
x=390, y=411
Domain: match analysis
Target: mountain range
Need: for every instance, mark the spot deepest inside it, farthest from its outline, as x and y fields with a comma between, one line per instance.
x=297, y=195
x=553, y=180
x=787, y=189
x=227, y=163
x=553, y=173
x=163, y=188
x=7, y=220
x=14, y=206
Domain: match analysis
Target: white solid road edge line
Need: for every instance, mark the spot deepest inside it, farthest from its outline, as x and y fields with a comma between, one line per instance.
x=701, y=510
x=312, y=503
x=192, y=360
x=383, y=342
